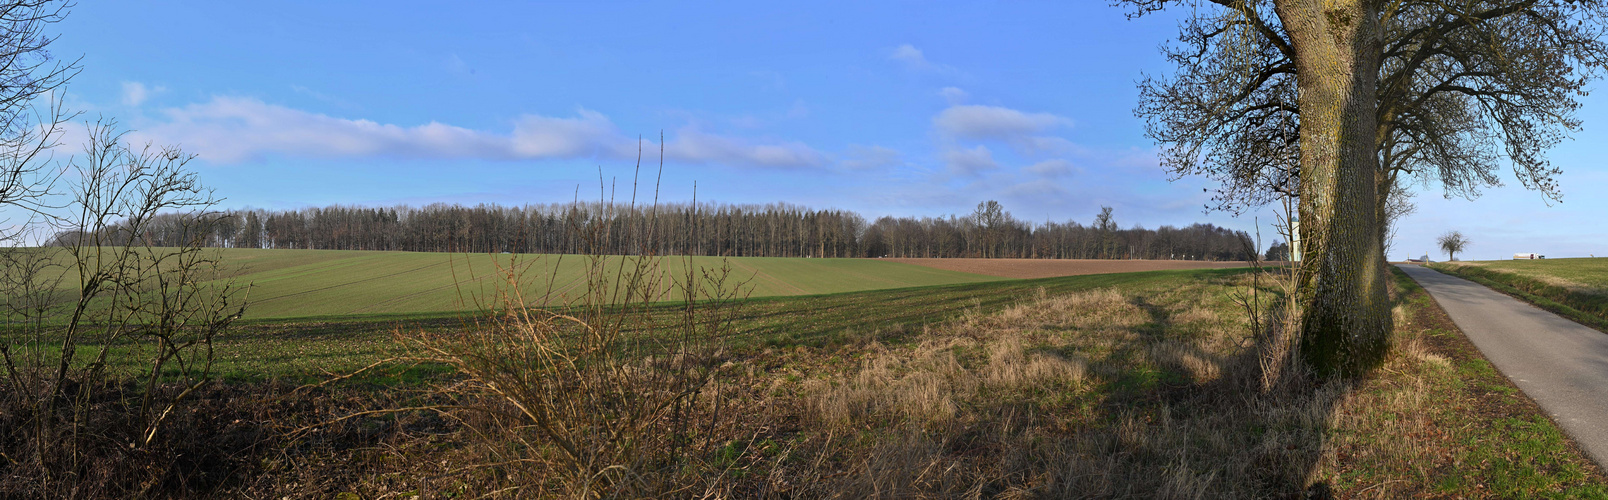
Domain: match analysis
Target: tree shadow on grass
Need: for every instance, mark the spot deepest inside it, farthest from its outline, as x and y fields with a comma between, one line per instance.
x=1164, y=407
x=1188, y=420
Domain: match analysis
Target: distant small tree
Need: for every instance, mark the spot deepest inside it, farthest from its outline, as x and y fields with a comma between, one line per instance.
x=1106, y=224
x=1453, y=242
x=991, y=218
x=1279, y=252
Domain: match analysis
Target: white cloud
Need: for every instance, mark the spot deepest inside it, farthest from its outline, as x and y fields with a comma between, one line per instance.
x=589, y=134
x=969, y=161
x=873, y=157
x=233, y=130
x=953, y=95
x=909, y=54
x=994, y=122
x=1024, y=132
x=799, y=110
x=693, y=146
x=135, y=93
x=455, y=64
x=912, y=58
x=1042, y=145
x=1050, y=168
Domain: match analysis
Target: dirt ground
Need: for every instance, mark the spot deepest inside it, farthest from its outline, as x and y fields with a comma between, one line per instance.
x=1049, y=268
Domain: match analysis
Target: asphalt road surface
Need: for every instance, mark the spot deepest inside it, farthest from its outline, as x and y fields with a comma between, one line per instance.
x=1560, y=364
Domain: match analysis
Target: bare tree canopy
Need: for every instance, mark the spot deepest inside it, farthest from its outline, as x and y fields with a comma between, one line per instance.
x=31, y=115
x=1333, y=101
x=703, y=228
x=1463, y=88
x=1453, y=242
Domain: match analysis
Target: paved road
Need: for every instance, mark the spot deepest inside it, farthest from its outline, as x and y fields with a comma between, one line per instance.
x=1558, y=363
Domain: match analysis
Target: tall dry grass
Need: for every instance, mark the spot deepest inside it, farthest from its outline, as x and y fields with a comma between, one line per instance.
x=610, y=393
x=593, y=399
x=1133, y=393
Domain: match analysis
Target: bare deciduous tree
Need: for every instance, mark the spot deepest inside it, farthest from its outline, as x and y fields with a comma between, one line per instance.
x=112, y=324
x=1452, y=242
x=31, y=115
x=774, y=230
x=1337, y=102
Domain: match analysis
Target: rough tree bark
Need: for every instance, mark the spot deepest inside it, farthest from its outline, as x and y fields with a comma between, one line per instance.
x=1345, y=323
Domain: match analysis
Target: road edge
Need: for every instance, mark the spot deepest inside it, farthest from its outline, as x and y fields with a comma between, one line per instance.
x=1598, y=469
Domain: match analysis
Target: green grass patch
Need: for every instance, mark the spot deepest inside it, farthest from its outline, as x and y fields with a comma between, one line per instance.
x=310, y=347
x=1574, y=288
x=346, y=283
x=1440, y=421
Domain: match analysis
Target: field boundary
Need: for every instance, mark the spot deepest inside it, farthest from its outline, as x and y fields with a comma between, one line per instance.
x=1056, y=268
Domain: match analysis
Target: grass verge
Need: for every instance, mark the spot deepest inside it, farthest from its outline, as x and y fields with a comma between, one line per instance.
x=1546, y=287
x=1438, y=420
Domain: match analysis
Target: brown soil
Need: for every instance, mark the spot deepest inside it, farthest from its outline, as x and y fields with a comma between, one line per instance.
x=1050, y=268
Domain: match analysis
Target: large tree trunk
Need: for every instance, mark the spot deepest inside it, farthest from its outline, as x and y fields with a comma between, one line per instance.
x=1345, y=321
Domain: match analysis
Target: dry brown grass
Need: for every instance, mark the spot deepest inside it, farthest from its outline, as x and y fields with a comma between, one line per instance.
x=1104, y=393
x=1156, y=392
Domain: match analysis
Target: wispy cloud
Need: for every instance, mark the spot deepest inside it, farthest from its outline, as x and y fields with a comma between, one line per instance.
x=994, y=122
x=1050, y=169
x=972, y=161
x=455, y=64
x=233, y=130
x=693, y=146
x=911, y=58
x=953, y=95
x=1026, y=132
x=799, y=110
x=871, y=158
x=135, y=93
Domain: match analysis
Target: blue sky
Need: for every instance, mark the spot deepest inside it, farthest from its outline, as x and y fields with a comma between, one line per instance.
x=902, y=108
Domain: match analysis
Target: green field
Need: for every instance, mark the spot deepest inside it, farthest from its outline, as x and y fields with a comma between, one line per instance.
x=1576, y=288
x=300, y=283
x=296, y=347
x=309, y=283
x=300, y=348
x=1585, y=275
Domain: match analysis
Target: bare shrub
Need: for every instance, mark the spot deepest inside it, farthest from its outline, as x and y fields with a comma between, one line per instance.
x=610, y=394
x=109, y=334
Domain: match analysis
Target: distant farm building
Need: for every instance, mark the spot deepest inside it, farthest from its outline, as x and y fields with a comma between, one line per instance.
x=1528, y=256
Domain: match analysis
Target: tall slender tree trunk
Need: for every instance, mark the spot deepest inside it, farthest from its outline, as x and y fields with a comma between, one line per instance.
x=1345, y=321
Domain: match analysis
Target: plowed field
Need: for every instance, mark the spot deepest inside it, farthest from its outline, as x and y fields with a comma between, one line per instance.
x=1050, y=268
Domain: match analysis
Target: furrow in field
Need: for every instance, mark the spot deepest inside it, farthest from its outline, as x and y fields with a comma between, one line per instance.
x=768, y=278
x=349, y=283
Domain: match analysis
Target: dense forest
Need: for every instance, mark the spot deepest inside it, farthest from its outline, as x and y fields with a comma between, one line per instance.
x=775, y=230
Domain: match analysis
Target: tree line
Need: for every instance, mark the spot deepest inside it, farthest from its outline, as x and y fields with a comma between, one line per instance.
x=708, y=229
